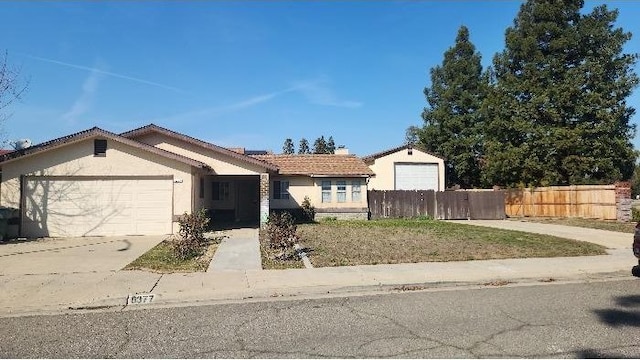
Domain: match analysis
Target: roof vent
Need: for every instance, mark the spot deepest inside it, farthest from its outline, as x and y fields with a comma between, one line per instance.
x=21, y=144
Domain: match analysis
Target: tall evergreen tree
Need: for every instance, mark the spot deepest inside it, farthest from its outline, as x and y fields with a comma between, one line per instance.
x=320, y=146
x=331, y=146
x=557, y=112
x=453, y=125
x=303, y=147
x=288, y=147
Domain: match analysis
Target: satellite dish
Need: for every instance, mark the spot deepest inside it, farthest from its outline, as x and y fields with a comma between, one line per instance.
x=22, y=144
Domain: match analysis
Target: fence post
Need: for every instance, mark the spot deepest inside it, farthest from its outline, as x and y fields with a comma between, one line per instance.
x=623, y=201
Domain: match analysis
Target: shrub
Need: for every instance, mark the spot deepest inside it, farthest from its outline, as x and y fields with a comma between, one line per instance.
x=191, y=241
x=308, y=210
x=635, y=214
x=281, y=234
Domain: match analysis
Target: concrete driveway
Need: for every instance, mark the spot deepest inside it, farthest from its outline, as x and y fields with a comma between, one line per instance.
x=73, y=255
x=610, y=239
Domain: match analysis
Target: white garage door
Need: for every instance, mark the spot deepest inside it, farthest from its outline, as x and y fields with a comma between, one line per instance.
x=416, y=176
x=93, y=206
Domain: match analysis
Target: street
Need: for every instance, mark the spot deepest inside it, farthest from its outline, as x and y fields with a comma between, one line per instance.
x=583, y=320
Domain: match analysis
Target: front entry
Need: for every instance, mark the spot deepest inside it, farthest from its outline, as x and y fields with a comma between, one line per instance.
x=234, y=201
x=248, y=202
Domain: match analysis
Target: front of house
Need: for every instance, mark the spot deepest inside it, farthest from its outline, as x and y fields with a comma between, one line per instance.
x=97, y=183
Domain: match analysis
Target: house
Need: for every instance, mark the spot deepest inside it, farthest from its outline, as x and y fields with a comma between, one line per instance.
x=140, y=182
x=335, y=184
x=406, y=167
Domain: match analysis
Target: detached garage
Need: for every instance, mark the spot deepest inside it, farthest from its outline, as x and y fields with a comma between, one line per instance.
x=406, y=168
x=96, y=183
x=416, y=176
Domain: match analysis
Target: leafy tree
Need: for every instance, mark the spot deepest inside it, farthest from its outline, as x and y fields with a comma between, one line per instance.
x=288, y=147
x=557, y=112
x=320, y=146
x=303, y=147
x=453, y=122
x=412, y=135
x=635, y=181
x=12, y=85
x=331, y=146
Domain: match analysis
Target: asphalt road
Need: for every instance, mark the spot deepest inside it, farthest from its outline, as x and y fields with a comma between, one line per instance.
x=597, y=319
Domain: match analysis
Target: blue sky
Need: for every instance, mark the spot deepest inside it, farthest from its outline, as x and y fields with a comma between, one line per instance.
x=248, y=73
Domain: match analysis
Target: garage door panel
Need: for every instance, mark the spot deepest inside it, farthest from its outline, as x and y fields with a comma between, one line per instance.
x=416, y=177
x=97, y=207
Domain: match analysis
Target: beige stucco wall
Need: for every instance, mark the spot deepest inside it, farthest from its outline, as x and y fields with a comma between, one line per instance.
x=384, y=168
x=301, y=186
x=220, y=163
x=78, y=159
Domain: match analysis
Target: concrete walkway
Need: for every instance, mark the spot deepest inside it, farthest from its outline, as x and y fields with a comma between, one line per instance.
x=239, y=251
x=56, y=293
x=610, y=239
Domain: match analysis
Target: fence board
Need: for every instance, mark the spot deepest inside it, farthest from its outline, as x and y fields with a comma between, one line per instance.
x=401, y=203
x=452, y=205
x=585, y=201
x=487, y=205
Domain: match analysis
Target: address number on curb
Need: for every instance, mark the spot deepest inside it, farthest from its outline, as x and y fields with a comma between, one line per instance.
x=140, y=299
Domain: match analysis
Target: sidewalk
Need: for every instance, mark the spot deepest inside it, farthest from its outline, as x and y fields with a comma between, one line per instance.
x=55, y=293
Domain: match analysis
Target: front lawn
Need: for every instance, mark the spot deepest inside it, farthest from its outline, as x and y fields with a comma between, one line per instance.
x=162, y=259
x=340, y=243
x=610, y=225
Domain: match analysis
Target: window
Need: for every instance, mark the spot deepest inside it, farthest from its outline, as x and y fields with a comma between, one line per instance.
x=220, y=191
x=201, y=187
x=356, y=194
x=341, y=193
x=326, y=191
x=100, y=147
x=280, y=189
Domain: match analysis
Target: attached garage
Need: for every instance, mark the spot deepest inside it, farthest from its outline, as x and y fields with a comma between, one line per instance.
x=66, y=206
x=96, y=183
x=416, y=177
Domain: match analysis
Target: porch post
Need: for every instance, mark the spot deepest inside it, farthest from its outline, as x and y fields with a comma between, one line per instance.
x=264, y=198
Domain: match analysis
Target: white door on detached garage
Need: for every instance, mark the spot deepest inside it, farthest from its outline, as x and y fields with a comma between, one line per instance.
x=96, y=206
x=417, y=176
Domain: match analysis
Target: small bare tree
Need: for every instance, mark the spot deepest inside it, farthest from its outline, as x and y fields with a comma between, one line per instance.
x=12, y=85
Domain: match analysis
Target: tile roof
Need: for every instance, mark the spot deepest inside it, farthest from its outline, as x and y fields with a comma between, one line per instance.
x=94, y=132
x=372, y=157
x=318, y=164
x=151, y=128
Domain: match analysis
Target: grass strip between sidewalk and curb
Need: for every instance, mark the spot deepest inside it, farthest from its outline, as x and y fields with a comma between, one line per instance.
x=609, y=225
x=344, y=243
x=161, y=259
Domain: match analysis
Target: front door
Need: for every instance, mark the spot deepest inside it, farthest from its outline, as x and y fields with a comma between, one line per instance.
x=248, y=206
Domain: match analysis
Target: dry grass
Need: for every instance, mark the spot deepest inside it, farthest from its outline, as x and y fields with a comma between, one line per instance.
x=341, y=243
x=162, y=260
x=610, y=225
x=268, y=257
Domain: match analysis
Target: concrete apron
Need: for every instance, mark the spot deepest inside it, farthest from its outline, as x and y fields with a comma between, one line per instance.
x=73, y=255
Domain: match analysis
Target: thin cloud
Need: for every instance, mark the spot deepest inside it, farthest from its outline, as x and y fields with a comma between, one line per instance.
x=314, y=91
x=318, y=92
x=84, y=102
x=103, y=72
x=226, y=109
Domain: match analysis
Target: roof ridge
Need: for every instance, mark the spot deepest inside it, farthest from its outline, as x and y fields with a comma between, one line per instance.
x=60, y=141
x=199, y=142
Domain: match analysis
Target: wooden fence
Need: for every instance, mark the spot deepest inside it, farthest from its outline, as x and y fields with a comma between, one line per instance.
x=447, y=205
x=584, y=201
